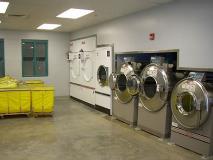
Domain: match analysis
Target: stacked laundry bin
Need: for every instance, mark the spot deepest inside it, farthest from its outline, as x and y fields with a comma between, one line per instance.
x=29, y=98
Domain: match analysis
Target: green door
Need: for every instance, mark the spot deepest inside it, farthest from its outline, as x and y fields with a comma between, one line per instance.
x=2, y=71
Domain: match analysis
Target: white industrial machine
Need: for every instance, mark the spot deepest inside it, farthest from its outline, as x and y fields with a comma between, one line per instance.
x=103, y=68
x=82, y=74
x=154, y=112
x=124, y=104
x=192, y=124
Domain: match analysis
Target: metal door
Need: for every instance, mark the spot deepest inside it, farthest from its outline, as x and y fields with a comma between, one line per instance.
x=155, y=87
x=190, y=103
x=133, y=85
x=121, y=90
x=113, y=81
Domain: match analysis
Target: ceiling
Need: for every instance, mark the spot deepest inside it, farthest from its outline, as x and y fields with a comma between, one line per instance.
x=37, y=12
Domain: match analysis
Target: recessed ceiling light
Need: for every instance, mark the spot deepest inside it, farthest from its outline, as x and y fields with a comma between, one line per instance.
x=48, y=26
x=3, y=6
x=0, y=22
x=74, y=13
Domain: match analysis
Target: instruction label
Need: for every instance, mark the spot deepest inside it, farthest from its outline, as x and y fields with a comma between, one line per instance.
x=152, y=72
x=189, y=87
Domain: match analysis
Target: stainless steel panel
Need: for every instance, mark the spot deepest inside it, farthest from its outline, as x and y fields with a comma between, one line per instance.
x=125, y=112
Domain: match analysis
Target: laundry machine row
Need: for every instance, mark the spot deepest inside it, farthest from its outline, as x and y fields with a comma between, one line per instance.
x=141, y=95
x=160, y=103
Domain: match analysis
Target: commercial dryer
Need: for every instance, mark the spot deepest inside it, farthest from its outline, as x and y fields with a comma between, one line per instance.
x=192, y=123
x=103, y=67
x=124, y=105
x=154, y=113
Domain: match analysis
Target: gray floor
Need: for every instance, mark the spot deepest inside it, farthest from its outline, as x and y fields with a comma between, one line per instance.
x=80, y=133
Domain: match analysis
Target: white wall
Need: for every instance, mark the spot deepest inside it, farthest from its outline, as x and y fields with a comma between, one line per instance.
x=58, y=67
x=184, y=24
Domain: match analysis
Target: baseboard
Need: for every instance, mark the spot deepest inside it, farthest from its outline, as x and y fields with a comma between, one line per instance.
x=61, y=97
x=96, y=107
x=102, y=109
x=81, y=101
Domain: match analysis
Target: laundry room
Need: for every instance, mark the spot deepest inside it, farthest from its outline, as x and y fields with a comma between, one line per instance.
x=116, y=79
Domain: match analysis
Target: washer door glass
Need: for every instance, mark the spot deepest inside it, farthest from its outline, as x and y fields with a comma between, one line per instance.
x=102, y=75
x=189, y=103
x=150, y=87
x=75, y=66
x=155, y=87
x=133, y=85
x=87, y=69
x=121, y=89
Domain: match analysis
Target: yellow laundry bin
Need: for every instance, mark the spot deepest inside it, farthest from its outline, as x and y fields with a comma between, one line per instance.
x=42, y=99
x=34, y=83
x=15, y=100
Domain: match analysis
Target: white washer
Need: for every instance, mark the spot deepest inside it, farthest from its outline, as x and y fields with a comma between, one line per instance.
x=103, y=68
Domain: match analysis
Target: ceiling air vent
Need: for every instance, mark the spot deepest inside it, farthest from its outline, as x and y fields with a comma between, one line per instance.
x=17, y=16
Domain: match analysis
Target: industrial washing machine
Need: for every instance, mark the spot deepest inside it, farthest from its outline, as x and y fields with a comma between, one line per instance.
x=192, y=123
x=124, y=104
x=103, y=67
x=154, y=112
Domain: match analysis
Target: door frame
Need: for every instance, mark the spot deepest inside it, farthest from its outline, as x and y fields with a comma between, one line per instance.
x=2, y=41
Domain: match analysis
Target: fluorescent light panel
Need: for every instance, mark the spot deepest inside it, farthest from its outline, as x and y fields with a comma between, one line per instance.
x=48, y=26
x=74, y=13
x=3, y=6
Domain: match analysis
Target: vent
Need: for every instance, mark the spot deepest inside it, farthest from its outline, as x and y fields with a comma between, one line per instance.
x=17, y=16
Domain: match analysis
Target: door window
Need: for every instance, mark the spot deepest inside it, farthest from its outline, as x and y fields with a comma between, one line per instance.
x=34, y=58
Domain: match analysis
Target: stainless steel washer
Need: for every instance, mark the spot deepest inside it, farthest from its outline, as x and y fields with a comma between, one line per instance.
x=124, y=105
x=192, y=123
x=154, y=113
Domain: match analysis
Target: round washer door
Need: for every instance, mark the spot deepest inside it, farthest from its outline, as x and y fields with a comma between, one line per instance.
x=75, y=66
x=121, y=89
x=102, y=75
x=155, y=87
x=87, y=68
x=112, y=80
x=133, y=85
x=189, y=103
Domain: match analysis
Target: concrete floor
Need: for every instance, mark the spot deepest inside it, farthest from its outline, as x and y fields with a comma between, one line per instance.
x=77, y=132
